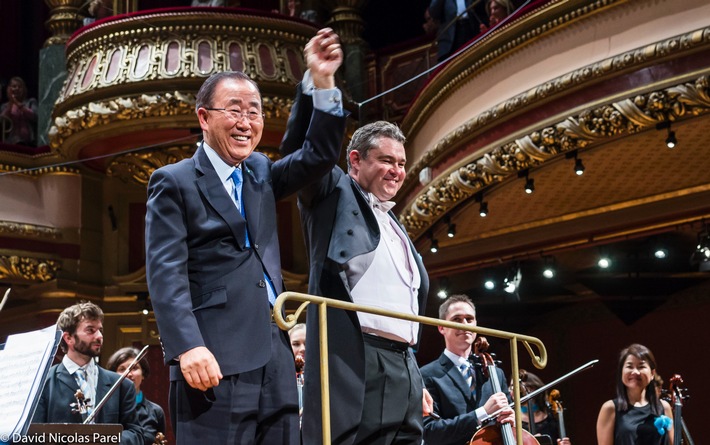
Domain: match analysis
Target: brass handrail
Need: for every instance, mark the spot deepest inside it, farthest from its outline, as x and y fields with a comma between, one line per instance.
x=323, y=303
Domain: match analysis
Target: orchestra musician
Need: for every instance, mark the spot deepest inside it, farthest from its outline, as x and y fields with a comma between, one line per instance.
x=462, y=394
x=635, y=415
x=82, y=337
x=545, y=421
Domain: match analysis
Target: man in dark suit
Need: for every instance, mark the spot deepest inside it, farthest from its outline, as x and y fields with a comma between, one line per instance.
x=213, y=266
x=82, y=338
x=462, y=395
x=458, y=23
x=360, y=253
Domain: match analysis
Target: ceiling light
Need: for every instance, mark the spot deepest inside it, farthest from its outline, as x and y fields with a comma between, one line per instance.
x=660, y=253
x=443, y=291
x=529, y=185
x=578, y=167
x=549, y=270
x=451, y=230
x=434, y=244
x=671, y=141
x=489, y=284
x=604, y=262
x=511, y=283
x=483, y=211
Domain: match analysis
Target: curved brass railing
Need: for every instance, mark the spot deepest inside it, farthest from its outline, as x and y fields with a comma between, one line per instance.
x=323, y=303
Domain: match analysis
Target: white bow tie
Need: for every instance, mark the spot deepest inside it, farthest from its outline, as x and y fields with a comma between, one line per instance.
x=385, y=206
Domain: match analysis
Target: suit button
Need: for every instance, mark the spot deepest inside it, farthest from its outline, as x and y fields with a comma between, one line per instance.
x=356, y=212
x=342, y=253
x=350, y=231
x=262, y=283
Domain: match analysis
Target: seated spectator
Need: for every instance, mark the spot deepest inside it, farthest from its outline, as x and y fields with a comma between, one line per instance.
x=20, y=114
x=457, y=24
x=150, y=415
x=430, y=26
x=497, y=10
x=97, y=10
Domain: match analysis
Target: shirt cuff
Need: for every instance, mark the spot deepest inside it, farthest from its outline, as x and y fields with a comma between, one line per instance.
x=481, y=414
x=329, y=100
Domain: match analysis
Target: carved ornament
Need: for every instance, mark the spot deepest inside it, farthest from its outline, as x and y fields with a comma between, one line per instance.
x=15, y=268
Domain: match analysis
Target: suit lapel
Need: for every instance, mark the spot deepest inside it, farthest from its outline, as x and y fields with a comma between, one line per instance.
x=66, y=378
x=102, y=387
x=214, y=192
x=251, y=195
x=456, y=377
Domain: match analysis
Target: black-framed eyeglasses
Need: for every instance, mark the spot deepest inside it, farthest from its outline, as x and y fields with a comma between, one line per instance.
x=238, y=115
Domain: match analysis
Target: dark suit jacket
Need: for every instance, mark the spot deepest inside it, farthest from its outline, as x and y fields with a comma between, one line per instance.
x=444, y=11
x=338, y=225
x=453, y=402
x=58, y=394
x=152, y=420
x=207, y=287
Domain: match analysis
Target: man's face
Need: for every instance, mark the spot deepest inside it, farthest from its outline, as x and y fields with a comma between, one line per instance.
x=382, y=172
x=458, y=341
x=87, y=339
x=233, y=139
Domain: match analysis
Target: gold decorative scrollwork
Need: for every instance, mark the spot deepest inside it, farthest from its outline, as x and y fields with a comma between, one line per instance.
x=632, y=115
x=137, y=167
x=27, y=269
x=29, y=230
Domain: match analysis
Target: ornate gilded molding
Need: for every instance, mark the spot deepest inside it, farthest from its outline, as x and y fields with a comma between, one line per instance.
x=589, y=128
x=15, y=268
x=521, y=32
x=137, y=167
x=29, y=230
x=49, y=170
x=64, y=20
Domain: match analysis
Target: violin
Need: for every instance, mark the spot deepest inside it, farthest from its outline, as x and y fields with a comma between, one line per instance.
x=677, y=394
x=497, y=434
x=558, y=410
x=160, y=439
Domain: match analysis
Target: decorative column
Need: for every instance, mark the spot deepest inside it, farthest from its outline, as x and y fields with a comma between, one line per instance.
x=65, y=18
x=347, y=22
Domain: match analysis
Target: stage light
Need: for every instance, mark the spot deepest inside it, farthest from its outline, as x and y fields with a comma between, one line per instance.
x=701, y=255
x=511, y=283
x=451, y=230
x=549, y=269
x=443, y=291
x=579, y=167
x=529, y=185
x=483, y=211
x=489, y=284
x=434, y=244
x=671, y=140
x=661, y=253
x=604, y=262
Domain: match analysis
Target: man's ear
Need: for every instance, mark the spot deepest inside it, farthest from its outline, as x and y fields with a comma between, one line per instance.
x=202, y=116
x=67, y=337
x=441, y=329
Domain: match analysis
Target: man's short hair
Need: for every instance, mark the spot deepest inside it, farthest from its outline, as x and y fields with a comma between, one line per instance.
x=368, y=137
x=458, y=298
x=70, y=318
x=205, y=95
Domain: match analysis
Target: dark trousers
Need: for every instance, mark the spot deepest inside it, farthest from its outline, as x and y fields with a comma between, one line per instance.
x=255, y=407
x=392, y=411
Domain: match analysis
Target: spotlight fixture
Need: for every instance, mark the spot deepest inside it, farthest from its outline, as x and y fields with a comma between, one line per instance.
x=701, y=255
x=578, y=164
x=483, y=210
x=604, y=262
x=451, y=230
x=660, y=253
x=671, y=140
x=434, y=244
x=489, y=284
x=511, y=283
x=549, y=270
x=443, y=291
x=529, y=182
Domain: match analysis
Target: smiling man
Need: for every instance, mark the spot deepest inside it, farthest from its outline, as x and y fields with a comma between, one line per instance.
x=212, y=258
x=82, y=338
x=360, y=253
x=461, y=393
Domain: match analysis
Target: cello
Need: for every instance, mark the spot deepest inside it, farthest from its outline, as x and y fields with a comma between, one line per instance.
x=497, y=434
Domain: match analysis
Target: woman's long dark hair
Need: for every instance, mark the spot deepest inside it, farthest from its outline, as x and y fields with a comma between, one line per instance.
x=642, y=353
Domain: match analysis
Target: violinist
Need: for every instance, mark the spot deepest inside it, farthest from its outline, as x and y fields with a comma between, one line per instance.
x=545, y=421
x=462, y=394
x=636, y=415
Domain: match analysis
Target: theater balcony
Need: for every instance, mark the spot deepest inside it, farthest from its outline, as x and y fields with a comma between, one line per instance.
x=132, y=78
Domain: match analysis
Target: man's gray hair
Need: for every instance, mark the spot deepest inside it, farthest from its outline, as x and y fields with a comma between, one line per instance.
x=368, y=137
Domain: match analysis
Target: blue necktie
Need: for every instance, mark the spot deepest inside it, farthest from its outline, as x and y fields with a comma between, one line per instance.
x=82, y=381
x=468, y=375
x=237, y=178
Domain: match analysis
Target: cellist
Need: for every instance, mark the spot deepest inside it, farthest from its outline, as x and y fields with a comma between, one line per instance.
x=461, y=393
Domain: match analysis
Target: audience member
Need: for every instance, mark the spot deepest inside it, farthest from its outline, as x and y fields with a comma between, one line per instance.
x=97, y=10
x=545, y=421
x=21, y=113
x=430, y=25
x=150, y=415
x=497, y=10
x=208, y=3
x=360, y=253
x=212, y=258
x=458, y=24
x=297, y=335
x=635, y=415
x=462, y=395
x=76, y=385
